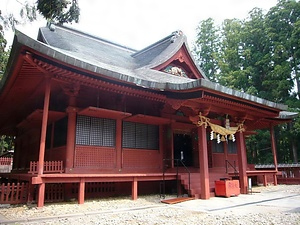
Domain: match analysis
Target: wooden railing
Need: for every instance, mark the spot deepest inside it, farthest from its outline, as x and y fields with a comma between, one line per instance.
x=13, y=193
x=49, y=167
x=5, y=161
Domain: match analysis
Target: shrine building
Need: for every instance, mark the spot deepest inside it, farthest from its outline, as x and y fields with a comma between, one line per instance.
x=93, y=118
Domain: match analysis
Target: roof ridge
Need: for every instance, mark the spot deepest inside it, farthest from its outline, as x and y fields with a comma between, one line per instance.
x=71, y=29
x=170, y=37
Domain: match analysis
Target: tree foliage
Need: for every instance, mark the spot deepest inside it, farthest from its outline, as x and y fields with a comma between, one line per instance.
x=59, y=11
x=207, y=49
x=259, y=55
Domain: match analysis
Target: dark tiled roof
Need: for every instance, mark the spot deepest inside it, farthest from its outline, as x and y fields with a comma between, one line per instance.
x=160, y=51
x=280, y=165
x=121, y=63
x=87, y=47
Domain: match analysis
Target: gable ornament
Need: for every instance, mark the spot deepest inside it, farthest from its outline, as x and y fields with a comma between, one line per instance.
x=174, y=70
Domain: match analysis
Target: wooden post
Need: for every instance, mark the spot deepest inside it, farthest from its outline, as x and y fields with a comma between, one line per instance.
x=41, y=189
x=274, y=152
x=81, y=191
x=71, y=136
x=30, y=192
x=242, y=159
x=44, y=127
x=41, y=195
x=134, y=190
x=265, y=181
x=119, y=145
x=203, y=162
x=161, y=146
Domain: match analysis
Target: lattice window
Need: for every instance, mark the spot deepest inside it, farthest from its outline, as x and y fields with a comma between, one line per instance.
x=96, y=137
x=95, y=131
x=232, y=148
x=217, y=148
x=83, y=130
x=109, y=132
x=128, y=140
x=140, y=136
x=153, y=137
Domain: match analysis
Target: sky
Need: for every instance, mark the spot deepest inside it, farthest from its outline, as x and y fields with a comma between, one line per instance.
x=139, y=23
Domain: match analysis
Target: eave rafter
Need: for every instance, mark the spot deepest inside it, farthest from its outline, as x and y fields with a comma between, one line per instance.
x=244, y=110
x=64, y=75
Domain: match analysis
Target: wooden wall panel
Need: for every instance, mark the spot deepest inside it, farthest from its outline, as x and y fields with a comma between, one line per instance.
x=135, y=158
x=93, y=156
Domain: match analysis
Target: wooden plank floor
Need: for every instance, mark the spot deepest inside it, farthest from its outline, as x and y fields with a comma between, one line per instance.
x=176, y=200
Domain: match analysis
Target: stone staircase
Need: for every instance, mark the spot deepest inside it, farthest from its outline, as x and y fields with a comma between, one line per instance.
x=195, y=181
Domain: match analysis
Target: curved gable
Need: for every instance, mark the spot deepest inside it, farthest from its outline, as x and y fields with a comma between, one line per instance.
x=170, y=55
x=182, y=64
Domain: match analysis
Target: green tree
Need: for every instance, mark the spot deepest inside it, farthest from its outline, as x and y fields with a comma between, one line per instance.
x=206, y=48
x=230, y=58
x=261, y=55
x=59, y=11
x=3, y=53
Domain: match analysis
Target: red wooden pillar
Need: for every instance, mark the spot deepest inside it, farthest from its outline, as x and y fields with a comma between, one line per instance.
x=134, y=189
x=44, y=127
x=161, y=146
x=41, y=188
x=81, y=191
x=71, y=136
x=119, y=145
x=242, y=159
x=30, y=192
x=41, y=195
x=274, y=152
x=203, y=162
x=265, y=181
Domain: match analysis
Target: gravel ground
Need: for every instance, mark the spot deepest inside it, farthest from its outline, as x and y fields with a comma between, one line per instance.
x=267, y=205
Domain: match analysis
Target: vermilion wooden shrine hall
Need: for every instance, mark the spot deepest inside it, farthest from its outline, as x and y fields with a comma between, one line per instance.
x=94, y=118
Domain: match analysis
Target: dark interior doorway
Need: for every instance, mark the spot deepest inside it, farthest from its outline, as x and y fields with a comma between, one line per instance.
x=183, y=149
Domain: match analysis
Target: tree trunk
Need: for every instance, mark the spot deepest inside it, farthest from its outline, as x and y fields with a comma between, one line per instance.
x=294, y=150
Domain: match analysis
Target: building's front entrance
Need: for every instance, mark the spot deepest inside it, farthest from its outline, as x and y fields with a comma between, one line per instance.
x=183, y=149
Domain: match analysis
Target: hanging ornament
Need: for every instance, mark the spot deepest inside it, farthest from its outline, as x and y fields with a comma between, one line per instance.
x=211, y=135
x=223, y=138
x=218, y=138
x=233, y=137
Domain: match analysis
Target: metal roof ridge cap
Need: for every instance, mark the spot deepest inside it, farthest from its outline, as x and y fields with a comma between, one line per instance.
x=155, y=63
x=97, y=38
x=217, y=87
x=151, y=46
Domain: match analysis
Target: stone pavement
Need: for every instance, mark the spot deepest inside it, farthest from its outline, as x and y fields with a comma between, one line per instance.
x=273, y=200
